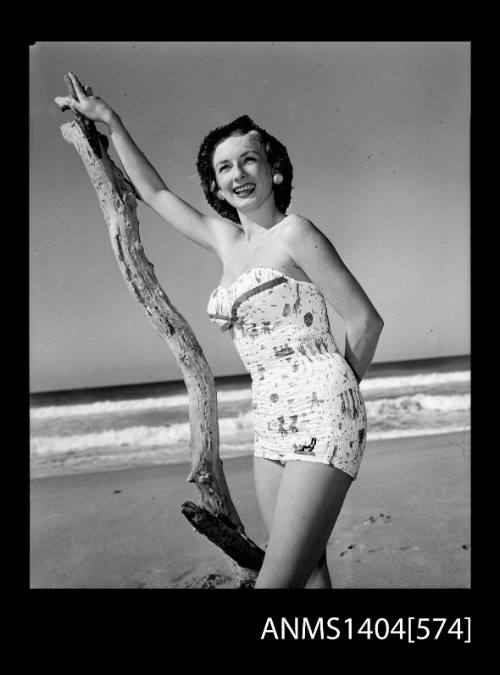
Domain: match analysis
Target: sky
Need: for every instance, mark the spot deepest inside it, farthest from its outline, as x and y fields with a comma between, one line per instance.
x=377, y=132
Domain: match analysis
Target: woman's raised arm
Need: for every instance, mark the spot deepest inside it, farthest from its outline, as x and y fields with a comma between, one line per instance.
x=207, y=231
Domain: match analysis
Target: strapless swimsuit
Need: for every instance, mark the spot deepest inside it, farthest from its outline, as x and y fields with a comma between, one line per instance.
x=305, y=397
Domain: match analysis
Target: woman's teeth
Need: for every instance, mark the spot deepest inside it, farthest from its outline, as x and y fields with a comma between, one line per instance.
x=244, y=191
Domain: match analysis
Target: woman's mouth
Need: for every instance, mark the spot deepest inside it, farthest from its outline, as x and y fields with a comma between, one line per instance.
x=244, y=190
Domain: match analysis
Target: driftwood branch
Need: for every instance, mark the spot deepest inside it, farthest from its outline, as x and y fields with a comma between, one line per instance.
x=216, y=517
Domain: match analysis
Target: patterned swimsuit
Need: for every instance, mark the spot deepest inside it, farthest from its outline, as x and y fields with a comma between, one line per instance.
x=306, y=401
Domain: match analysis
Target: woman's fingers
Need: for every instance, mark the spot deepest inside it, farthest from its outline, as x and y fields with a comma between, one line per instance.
x=82, y=99
x=67, y=102
x=80, y=92
x=62, y=101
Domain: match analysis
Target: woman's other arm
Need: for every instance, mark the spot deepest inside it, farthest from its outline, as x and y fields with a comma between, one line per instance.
x=207, y=231
x=316, y=255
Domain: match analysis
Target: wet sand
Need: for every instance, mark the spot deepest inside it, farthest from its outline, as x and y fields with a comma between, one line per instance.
x=405, y=523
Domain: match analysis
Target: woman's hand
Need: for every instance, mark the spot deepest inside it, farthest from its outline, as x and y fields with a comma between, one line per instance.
x=93, y=107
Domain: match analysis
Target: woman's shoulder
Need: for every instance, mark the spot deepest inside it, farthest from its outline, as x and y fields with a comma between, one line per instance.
x=295, y=224
x=300, y=233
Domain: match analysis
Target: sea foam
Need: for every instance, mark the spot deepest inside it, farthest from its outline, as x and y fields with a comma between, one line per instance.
x=380, y=412
x=368, y=386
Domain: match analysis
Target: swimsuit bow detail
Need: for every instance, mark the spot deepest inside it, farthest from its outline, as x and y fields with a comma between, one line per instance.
x=230, y=321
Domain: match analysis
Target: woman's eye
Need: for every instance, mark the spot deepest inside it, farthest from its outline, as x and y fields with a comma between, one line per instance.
x=251, y=159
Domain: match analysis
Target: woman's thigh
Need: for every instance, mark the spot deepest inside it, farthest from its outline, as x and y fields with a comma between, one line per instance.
x=309, y=500
x=267, y=476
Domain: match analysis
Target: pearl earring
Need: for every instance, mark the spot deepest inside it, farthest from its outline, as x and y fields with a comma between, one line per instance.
x=220, y=194
x=277, y=179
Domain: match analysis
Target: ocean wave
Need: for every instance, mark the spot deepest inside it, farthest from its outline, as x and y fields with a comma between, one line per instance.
x=404, y=411
x=384, y=407
x=413, y=381
x=133, y=456
x=368, y=386
x=143, y=436
x=417, y=431
x=132, y=405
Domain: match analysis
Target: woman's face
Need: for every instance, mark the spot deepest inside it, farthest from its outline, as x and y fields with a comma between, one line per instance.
x=243, y=172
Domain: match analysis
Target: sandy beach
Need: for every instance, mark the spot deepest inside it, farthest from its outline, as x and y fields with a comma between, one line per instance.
x=405, y=523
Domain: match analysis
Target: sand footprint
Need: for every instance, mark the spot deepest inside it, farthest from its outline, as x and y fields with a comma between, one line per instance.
x=382, y=517
x=351, y=549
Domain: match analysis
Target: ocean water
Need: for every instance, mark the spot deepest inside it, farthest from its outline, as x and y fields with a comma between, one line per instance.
x=141, y=425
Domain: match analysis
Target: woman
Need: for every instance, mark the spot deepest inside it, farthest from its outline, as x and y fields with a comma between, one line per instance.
x=278, y=268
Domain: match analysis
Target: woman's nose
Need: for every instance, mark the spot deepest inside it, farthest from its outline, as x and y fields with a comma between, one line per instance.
x=238, y=171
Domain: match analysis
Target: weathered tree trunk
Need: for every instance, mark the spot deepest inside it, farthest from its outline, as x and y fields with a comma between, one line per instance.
x=216, y=517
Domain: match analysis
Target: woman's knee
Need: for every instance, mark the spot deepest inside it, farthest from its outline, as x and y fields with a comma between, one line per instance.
x=289, y=573
x=276, y=578
x=322, y=560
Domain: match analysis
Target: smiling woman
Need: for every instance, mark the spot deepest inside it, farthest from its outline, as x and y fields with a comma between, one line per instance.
x=246, y=137
x=278, y=270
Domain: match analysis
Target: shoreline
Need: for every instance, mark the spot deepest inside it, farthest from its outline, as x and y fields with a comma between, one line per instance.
x=405, y=523
x=37, y=473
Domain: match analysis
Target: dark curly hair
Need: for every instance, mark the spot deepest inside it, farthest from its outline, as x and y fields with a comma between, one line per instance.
x=277, y=157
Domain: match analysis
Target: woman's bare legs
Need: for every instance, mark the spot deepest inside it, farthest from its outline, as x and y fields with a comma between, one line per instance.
x=300, y=504
x=268, y=475
x=320, y=577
